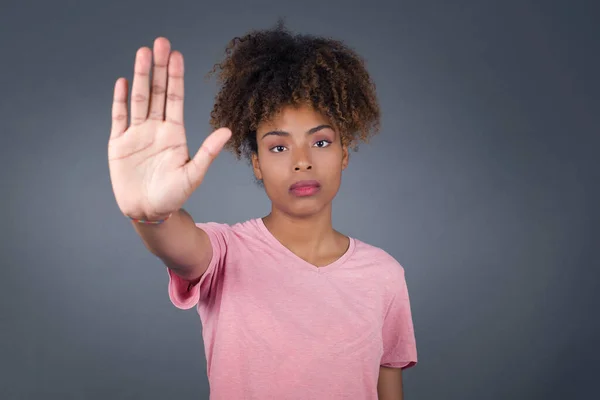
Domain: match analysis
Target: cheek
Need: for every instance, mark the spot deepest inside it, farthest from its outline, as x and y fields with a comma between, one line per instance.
x=331, y=163
x=273, y=171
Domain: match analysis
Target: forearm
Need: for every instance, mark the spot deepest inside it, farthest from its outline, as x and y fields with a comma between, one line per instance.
x=178, y=243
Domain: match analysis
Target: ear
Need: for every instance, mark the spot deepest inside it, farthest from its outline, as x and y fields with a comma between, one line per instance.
x=256, y=166
x=345, y=157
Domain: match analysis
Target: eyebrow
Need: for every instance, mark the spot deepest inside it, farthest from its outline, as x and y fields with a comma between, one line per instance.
x=309, y=132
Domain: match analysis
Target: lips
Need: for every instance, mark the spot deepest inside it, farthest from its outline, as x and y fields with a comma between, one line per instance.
x=305, y=188
x=305, y=184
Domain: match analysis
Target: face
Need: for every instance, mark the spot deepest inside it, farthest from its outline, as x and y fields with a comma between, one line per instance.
x=300, y=160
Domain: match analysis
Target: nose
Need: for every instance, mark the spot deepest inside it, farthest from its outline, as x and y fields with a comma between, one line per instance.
x=302, y=160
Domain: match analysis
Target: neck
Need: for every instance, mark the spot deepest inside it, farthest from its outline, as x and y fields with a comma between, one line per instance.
x=309, y=236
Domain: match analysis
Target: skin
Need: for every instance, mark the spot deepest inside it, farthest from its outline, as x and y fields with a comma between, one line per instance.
x=389, y=385
x=309, y=149
x=300, y=143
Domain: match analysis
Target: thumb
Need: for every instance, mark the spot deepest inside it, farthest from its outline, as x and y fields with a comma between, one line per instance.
x=212, y=145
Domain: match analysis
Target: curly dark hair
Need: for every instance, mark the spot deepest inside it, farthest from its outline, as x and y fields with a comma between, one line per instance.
x=266, y=70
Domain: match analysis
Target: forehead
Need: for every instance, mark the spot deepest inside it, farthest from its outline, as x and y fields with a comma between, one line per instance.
x=290, y=118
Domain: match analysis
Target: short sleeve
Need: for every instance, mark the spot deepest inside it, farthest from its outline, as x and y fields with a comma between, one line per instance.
x=399, y=345
x=185, y=295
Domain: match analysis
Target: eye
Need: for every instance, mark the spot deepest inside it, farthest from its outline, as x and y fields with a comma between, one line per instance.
x=322, y=143
x=277, y=149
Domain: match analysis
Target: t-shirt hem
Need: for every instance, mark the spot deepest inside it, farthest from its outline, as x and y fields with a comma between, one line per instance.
x=400, y=364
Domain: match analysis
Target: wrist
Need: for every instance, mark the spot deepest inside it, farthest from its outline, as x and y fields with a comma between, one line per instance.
x=150, y=220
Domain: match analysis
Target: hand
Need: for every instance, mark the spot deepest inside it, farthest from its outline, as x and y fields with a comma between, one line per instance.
x=151, y=172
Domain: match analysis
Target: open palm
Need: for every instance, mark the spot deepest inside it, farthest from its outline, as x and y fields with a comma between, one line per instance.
x=151, y=171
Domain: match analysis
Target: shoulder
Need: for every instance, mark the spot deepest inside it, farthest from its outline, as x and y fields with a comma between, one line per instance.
x=243, y=230
x=377, y=255
x=382, y=262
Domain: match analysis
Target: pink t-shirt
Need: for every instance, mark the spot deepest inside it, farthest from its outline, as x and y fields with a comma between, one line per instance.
x=277, y=327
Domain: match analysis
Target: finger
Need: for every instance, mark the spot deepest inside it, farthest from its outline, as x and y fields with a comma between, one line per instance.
x=140, y=89
x=174, y=108
x=162, y=48
x=197, y=167
x=119, y=109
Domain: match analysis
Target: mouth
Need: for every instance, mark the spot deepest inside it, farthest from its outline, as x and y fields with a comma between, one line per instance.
x=305, y=188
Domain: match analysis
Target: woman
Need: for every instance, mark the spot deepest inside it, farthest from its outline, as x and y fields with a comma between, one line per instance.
x=290, y=307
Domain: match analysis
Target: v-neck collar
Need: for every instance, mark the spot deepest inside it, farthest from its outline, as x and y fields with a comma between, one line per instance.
x=278, y=245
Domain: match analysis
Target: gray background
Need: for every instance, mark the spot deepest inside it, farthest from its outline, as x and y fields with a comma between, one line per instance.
x=483, y=184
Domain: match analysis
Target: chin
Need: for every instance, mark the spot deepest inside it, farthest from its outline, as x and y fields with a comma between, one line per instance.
x=304, y=209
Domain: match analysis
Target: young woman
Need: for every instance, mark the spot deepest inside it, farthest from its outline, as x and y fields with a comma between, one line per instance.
x=290, y=307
